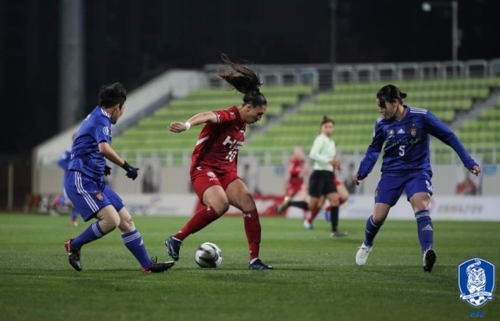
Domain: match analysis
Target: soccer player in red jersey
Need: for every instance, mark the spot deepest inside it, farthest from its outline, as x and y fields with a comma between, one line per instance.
x=295, y=184
x=213, y=168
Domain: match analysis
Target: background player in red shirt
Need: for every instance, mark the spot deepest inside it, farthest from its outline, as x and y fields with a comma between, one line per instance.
x=214, y=162
x=295, y=183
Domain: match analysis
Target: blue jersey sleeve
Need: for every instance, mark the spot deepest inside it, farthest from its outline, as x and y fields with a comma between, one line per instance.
x=101, y=130
x=63, y=162
x=438, y=129
x=372, y=153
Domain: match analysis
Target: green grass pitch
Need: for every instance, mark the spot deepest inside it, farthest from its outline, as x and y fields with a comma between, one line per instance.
x=315, y=276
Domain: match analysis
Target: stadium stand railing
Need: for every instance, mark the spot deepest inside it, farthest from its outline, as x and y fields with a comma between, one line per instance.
x=350, y=104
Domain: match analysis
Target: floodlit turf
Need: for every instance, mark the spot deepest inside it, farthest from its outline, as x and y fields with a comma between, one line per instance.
x=316, y=277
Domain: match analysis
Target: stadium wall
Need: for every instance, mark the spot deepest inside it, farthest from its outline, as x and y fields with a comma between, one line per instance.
x=481, y=208
x=269, y=179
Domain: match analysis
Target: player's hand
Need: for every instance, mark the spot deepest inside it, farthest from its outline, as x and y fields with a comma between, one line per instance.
x=107, y=170
x=177, y=127
x=131, y=171
x=358, y=178
x=475, y=170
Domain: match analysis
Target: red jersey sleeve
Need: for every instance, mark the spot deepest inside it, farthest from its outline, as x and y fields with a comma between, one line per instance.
x=225, y=116
x=296, y=166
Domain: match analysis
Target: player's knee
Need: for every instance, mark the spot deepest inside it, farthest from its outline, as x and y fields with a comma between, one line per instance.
x=247, y=202
x=421, y=201
x=334, y=199
x=220, y=206
x=127, y=225
x=109, y=222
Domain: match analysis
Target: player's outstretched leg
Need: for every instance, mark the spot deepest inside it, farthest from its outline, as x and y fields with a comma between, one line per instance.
x=426, y=239
x=364, y=250
x=200, y=219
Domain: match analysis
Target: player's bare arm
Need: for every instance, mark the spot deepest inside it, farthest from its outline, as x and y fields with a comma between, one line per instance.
x=110, y=153
x=202, y=118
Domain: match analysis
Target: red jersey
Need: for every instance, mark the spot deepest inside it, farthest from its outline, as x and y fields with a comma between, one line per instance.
x=296, y=167
x=218, y=144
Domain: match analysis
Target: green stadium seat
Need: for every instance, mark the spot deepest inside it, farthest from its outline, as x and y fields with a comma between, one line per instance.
x=352, y=106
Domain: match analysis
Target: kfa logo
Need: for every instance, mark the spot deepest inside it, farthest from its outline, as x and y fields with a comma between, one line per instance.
x=413, y=130
x=476, y=281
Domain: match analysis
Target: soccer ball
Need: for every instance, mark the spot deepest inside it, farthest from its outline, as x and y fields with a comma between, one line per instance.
x=208, y=255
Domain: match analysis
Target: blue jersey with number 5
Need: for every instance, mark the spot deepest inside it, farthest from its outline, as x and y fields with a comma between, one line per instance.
x=406, y=143
x=85, y=155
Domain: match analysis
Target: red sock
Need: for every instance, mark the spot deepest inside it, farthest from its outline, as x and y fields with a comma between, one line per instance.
x=341, y=200
x=202, y=218
x=313, y=215
x=252, y=230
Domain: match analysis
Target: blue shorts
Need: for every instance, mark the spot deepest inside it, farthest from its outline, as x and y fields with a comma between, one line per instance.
x=88, y=196
x=391, y=186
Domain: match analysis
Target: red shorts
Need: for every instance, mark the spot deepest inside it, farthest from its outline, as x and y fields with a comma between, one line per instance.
x=293, y=186
x=205, y=177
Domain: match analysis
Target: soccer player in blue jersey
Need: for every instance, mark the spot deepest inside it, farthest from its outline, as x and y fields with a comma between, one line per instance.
x=63, y=163
x=87, y=189
x=404, y=132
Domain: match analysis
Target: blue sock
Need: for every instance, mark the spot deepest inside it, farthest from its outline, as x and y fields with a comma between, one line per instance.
x=74, y=214
x=371, y=230
x=133, y=241
x=92, y=233
x=425, y=229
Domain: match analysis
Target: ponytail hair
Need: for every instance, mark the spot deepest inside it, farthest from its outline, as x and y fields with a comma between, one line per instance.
x=326, y=120
x=243, y=80
x=391, y=93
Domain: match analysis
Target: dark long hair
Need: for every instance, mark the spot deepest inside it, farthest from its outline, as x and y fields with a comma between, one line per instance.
x=244, y=80
x=391, y=93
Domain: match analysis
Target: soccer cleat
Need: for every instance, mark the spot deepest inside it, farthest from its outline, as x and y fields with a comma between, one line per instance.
x=73, y=255
x=307, y=225
x=259, y=265
x=338, y=234
x=362, y=255
x=158, y=267
x=429, y=259
x=281, y=208
x=173, y=248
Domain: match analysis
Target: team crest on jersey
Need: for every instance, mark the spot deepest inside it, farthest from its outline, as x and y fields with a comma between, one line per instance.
x=106, y=131
x=413, y=130
x=476, y=281
x=99, y=196
x=390, y=133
